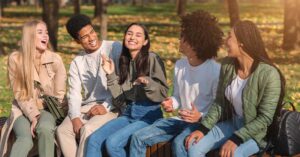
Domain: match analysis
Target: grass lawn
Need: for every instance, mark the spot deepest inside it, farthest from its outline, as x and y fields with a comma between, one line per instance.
x=163, y=25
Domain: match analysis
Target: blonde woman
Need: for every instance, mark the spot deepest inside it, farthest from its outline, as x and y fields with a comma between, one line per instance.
x=29, y=119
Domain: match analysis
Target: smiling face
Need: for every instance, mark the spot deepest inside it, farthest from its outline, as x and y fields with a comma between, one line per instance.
x=88, y=39
x=232, y=44
x=135, y=38
x=42, y=37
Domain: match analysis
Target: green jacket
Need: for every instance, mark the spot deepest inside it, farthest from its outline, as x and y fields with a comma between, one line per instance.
x=260, y=98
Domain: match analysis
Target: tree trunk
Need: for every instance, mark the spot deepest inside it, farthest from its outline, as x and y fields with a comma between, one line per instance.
x=50, y=16
x=103, y=18
x=1, y=9
x=103, y=28
x=37, y=4
x=133, y=2
x=97, y=10
x=233, y=9
x=2, y=52
x=291, y=33
x=76, y=6
x=18, y=2
x=180, y=6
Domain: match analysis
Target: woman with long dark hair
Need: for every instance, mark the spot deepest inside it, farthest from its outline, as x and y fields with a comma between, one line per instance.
x=140, y=86
x=249, y=91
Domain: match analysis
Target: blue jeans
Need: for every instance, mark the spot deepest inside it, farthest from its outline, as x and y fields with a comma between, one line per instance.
x=178, y=149
x=162, y=130
x=215, y=138
x=115, y=134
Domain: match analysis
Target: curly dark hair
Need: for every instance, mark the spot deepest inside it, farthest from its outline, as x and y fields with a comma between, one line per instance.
x=202, y=32
x=76, y=23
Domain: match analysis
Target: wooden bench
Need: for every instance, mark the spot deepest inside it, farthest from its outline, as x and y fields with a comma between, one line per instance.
x=157, y=150
x=164, y=150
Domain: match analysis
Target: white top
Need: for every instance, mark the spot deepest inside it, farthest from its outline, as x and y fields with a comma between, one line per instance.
x=86, y=73
x=195, y=84
x=234, y=94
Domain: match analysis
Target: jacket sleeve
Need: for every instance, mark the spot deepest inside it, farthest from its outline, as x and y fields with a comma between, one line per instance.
x=114, y=87
x=60, y=79
x=217, y=108
x=266, y=107
x=28, y=107
x=157, y=89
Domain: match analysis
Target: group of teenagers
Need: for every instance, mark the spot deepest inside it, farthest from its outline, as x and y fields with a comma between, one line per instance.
x=118, y=92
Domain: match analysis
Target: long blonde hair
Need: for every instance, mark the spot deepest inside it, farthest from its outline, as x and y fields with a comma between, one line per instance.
x=25, y=72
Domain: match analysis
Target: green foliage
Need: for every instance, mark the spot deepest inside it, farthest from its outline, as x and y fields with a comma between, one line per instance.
x=163, y=25
x=5, y=96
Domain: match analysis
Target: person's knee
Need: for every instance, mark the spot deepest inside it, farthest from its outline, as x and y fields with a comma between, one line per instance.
x=26, y=142
x=60, y=130
x=86, y=130
x=178, y=142
x=196, y=151
x=45, y=130
x=94, y=141
x=112, y=143
x=137, y=137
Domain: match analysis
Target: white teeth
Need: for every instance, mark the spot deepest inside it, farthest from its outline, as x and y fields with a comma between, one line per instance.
x=93, y=43
x=131, y=42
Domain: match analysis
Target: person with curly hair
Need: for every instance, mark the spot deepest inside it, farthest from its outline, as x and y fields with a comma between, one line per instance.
x=250, y=90
x=195, y=83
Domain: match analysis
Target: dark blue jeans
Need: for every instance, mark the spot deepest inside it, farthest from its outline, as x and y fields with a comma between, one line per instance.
x=115, y=134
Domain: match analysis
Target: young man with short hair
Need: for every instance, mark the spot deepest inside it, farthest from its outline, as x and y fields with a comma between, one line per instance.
x=93, y=109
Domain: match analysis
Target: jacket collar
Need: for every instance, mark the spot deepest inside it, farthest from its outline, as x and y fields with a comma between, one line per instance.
x=47, y=57
x=36, y=76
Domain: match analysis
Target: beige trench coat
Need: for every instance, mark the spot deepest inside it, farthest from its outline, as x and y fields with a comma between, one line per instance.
x=52, y=77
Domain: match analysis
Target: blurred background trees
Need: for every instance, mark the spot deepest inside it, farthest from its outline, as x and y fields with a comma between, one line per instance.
x=233, y=9
x=76, y=4
x=278, y=21
x=180, y=7
x=291, y=33
x=50, y=13
x=50, y=16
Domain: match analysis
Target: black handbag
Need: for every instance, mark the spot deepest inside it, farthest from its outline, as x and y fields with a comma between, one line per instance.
x=52, y=105
x=284, y=133
x=288, y=138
